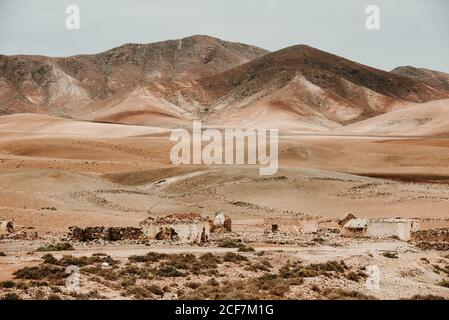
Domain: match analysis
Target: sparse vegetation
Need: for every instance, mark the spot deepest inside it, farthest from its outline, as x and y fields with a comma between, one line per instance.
x=40, y=272
x=232, y=244
x=444, y=283
x=195, y=276
x=426, y=297
x=340, y=294
x=312, y=270
x=169, y=271
x=155, y=289
x=439, y=269
x=233, y=257
x=11, y=296
x=246, y=249
x=149, y=257
x=353, y=276
x=390, y=255
x=61, y=246
x=7, y=284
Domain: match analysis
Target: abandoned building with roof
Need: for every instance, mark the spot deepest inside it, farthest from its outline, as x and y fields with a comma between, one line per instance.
x=380, y=228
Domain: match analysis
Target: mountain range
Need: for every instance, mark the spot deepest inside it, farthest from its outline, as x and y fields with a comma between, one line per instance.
x=169, y=83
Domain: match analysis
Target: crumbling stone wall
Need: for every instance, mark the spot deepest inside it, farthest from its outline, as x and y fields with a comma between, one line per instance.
x=6, y=227
x=432, y=235
x=291, y=225
x=221, y=222
x=105, y=233
x=347, y=218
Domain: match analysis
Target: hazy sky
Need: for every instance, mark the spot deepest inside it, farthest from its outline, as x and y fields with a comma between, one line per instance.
x=413, y=32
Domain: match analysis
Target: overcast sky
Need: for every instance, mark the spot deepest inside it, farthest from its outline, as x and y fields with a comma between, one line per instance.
x=413, y=32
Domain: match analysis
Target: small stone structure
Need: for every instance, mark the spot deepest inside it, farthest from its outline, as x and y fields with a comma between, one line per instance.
x=6, y=227
x=294, y=224
x=347, y=218
x=380, y=228
x=105, y=233
x=355, y=228
x=188, y=228
x=221, y=221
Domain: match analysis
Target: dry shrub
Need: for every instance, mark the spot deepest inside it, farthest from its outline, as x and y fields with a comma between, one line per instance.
x=312, y=270
x=41, y=272
x=149, y=257
x=444, y=283
x=232, y=244
x=340, y=294
x=233, y=257
x=7, y=284
x=61, y=246
x=426, y=297
x=390, y=255
x=155, y=289
x=11, y=296
x=69, y=260
x=169, y=271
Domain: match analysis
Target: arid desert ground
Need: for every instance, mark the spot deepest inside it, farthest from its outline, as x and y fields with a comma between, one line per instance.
x=84, y=141
x=110, y=175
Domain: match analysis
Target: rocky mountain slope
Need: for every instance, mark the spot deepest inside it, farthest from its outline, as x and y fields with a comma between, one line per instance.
x=64, y=85
x=224, y=83
x=433, y=78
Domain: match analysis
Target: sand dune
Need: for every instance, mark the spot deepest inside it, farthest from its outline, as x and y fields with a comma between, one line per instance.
x=44, y=125
x=428, y=119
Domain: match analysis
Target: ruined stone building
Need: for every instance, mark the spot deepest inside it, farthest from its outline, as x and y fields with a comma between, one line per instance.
x=105, y=233
x=188, y=228
x=6, y=226
x=221, y=221
x=294, y=224
x=380, y=228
